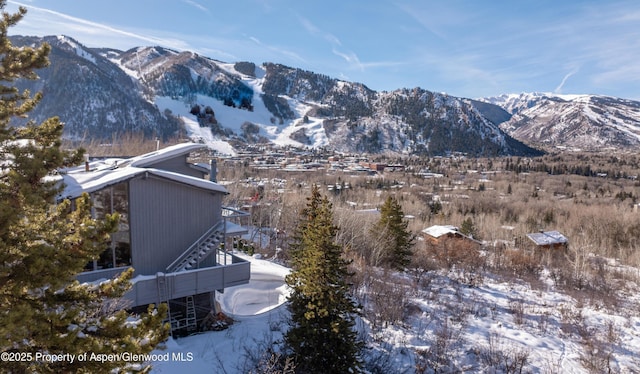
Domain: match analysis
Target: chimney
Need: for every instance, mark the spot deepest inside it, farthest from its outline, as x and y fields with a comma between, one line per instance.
x=213, y=174
x=87, y=168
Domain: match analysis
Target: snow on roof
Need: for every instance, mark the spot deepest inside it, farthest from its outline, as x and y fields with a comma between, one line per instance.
x=437, y=230
x=165, y=153
x=77, y=183
x=548, y=238
x=105, y=173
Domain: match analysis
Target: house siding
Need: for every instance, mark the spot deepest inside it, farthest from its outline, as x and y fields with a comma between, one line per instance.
x=185, y=214
x=177, y=165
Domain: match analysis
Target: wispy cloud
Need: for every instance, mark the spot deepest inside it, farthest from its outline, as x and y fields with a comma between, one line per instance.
x=601, y=42
x=279, y=51
x=432, y=17
x=315, y=31
x=385, y=64
x=348, y=56
x=558, y=89
x=104, y=34
x=610, y=57
x=310, y=27
x=196, y=5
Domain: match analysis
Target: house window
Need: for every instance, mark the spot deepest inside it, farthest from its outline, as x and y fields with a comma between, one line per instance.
x=114, y=199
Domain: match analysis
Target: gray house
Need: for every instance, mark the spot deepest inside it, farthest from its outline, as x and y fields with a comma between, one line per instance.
x=172, y=225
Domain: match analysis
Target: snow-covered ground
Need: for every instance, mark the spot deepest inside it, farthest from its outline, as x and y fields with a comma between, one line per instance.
x=258, y=312
x=446, y=324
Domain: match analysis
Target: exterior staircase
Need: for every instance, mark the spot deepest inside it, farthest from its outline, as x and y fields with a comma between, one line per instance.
x=199, y=250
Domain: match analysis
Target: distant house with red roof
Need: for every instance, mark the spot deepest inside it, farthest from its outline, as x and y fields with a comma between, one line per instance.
x=438, y=234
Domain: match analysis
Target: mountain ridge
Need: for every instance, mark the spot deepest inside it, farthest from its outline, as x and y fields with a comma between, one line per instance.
x=580, y=122
x=100, y=92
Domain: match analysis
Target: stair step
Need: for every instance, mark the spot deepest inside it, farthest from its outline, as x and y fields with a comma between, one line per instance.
x=200, y=252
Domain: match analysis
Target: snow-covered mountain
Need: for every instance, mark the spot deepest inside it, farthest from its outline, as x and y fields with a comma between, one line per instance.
x=99, y=93
x=92, y=96
x=588, y=122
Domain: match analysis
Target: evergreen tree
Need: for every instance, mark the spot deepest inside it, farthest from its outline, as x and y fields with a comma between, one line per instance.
x=468, y=227
x=392, y=235
x=321, y=337
x=45, y=243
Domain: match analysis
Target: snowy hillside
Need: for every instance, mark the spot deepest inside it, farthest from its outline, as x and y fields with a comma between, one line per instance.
x=233, y=118
x=498, y=326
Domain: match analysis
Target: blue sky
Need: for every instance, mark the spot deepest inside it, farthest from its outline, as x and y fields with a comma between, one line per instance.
x=465, y=48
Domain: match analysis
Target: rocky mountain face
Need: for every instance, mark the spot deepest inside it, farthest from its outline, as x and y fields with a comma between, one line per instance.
x=100, y=93
x=94, y=97
x=586, y=122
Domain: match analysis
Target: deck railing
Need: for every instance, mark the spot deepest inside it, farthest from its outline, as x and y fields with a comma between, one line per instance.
x=92, y=276
x=145, y=289
x=236, y=216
